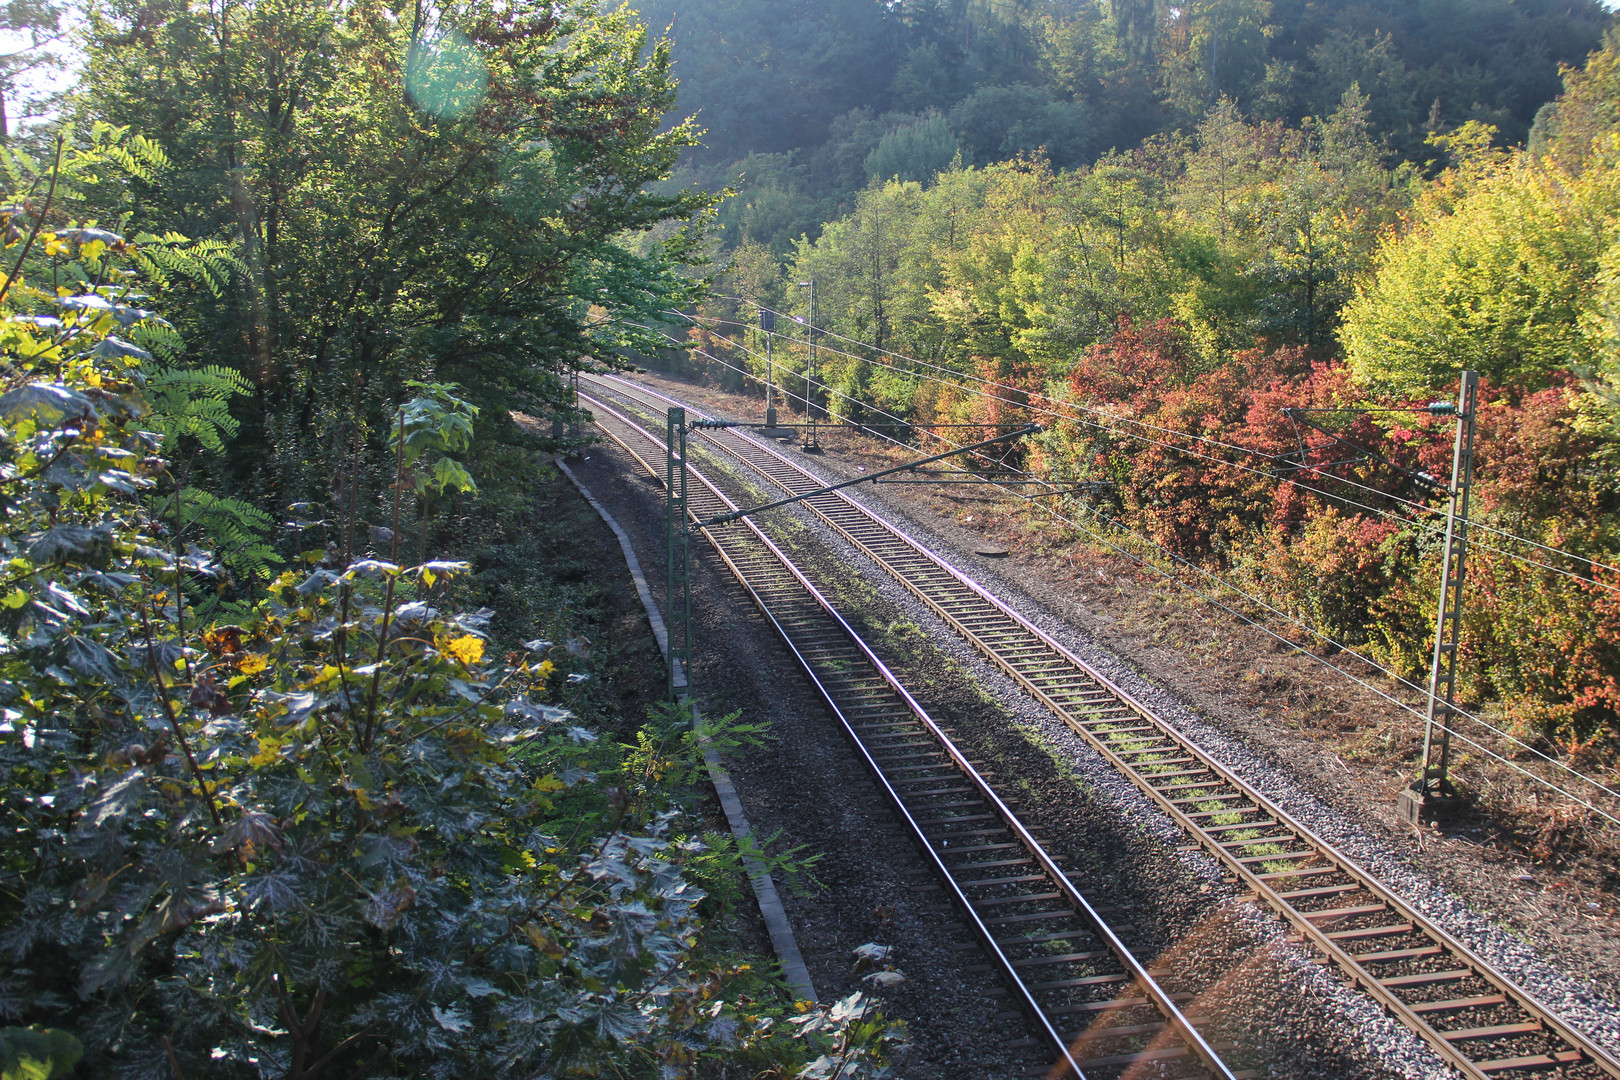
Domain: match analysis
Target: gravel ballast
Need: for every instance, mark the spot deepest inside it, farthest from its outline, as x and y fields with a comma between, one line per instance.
x=1124, y=852
x=1580, y=986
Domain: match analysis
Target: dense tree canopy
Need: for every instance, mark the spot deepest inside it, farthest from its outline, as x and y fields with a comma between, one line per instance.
x=1508, y=266
x=280, y=796
x=797, y=97
x=283, y=798
x=1199, y=284
x=1248, y=232
x=414, y=192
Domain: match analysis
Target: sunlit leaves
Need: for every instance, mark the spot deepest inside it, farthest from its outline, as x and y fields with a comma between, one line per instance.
x=431, y=427
x=1501, y=283
x=37, y=1053
x=466, y=650
x=339, y=766
x=43, y=405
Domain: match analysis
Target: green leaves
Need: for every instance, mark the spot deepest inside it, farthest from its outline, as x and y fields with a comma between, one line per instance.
x=193, y=401
x=36, y=406
x=37, y=1053
x=342, y=825
x=59, y=543
x=436, y=422
x=450, y=200
x=1499, y=283
x=222, y=819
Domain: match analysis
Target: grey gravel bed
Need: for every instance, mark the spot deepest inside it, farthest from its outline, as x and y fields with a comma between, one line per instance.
x=802, y=786
x=1578, y=1002
x=1363, y=1021
x=1356, y=1020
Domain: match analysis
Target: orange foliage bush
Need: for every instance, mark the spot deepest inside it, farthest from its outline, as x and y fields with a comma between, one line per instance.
x=1348, y=546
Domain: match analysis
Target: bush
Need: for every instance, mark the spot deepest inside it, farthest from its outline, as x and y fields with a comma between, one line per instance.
x=335, y=836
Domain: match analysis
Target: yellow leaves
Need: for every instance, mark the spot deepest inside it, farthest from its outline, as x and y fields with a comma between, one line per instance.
x=549, y=782
x=253, y=663
x=15, y=599
x=269, y=751
x=328, y=673
x=467, y=650
x=547, y=669
x=540, y=941
x=516, y=861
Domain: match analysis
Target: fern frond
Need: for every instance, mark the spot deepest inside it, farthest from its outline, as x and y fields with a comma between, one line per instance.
x=194, y=402
x=127, y=161
x=156, y=337
x=234, y=530
x=149, y=152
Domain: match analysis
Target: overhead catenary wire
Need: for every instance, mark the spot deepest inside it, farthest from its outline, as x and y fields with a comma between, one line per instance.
x=1324, y=638
x=1283, y=615
x=1197, y=455
x=1131, y=420
x=991, y=382
x=1293, y=645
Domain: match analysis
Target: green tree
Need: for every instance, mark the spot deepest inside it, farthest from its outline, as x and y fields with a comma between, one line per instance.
x=1136, y=27
x=337, y=835
x=1569, y=129
x=1213, y=48
x=1328, y=203
x=916, y=151
x=35, y=26
x=1500, y=281
x=441, y=196
x=1226, y=160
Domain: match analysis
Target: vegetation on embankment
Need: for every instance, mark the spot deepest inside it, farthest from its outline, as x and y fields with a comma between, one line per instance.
x=1159, y=311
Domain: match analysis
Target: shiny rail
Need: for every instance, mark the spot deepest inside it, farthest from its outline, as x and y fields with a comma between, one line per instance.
x=1085, y=993
x=1474, y=1016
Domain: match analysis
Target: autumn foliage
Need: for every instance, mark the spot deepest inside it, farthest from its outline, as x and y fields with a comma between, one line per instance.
x=1210, y=469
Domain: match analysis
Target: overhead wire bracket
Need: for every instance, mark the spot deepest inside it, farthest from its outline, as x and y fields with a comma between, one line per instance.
x=735, y=515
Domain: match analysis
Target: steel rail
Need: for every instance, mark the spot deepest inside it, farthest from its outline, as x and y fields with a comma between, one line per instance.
x=1487, y=1027
x=756, y=573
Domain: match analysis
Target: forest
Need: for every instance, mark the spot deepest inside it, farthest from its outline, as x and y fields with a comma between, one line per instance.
x=307, y=772
x=802, y=104
x=307, y=760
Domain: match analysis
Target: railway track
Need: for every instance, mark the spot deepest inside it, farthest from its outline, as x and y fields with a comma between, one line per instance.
x=1473, y=1015
x=1098, y=1008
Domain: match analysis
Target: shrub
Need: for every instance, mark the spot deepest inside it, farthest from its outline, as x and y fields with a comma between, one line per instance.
x=337, y=836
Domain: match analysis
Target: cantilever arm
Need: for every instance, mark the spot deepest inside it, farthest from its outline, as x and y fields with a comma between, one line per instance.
x=734, y=515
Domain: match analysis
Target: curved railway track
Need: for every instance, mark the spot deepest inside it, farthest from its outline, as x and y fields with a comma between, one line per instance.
x=1101, y=1011
x=1473, y=1015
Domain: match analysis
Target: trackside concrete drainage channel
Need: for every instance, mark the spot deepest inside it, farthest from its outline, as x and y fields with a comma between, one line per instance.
x=770, y=901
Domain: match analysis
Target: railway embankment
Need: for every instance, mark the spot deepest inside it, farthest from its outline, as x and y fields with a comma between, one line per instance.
x=1060, y=596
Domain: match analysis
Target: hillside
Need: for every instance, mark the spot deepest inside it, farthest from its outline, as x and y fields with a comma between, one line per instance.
x=803, y=103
